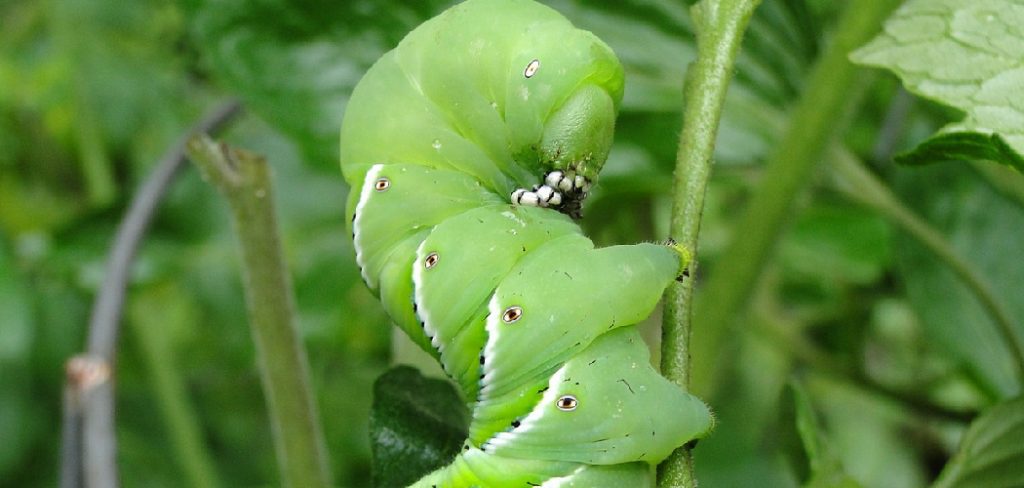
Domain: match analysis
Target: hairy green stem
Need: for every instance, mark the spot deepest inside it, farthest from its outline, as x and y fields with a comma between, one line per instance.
x=861, y=186
x=719, y=31
x=244, y=180
x=816, y=119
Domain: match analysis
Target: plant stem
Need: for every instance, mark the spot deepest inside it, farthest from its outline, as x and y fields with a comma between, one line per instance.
x=89, y=453
x=815, y=120
x=243, y=179
x=719, y=27
x=863, y=187
x=165, y=379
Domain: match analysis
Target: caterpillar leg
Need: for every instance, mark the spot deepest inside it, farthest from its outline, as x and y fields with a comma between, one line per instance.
x=564, y=190
x=540, y=196
x=574, y=187
x=568, y=182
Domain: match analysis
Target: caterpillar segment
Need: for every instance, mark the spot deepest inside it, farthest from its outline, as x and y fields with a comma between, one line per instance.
x=477, y=468
x=470, y=148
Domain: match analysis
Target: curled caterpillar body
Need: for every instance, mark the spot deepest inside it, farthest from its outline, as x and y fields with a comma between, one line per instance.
x=468, y=148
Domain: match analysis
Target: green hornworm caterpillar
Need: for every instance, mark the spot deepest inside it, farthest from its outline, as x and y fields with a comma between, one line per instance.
x=468, y=148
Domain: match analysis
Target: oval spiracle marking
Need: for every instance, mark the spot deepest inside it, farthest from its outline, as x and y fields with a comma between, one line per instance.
x=431, y=260
x=567, y=403
x=531, y=69
x=512, y=314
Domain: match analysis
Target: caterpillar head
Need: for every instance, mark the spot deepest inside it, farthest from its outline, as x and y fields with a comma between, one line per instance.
x=579, y=134
x=572, y=151
x=564, y=88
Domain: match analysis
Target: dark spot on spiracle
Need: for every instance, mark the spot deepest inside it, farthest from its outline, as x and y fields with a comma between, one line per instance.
x=567, y=403
x=515, y=424
x=431, y=260
x=512, y=314
x=481, y=360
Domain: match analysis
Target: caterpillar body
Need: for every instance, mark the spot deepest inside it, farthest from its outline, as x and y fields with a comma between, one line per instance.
x=469, y=148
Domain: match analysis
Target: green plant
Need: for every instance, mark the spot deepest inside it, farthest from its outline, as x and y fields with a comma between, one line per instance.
x=886, y=294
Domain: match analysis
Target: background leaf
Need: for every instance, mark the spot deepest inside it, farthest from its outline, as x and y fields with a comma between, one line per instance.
x=417, y=425
x=826, y=471
x=991, y=454
x=981, y=225
x=965, y=54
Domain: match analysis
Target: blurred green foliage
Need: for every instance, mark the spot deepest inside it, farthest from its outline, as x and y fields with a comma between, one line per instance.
x=93, y=91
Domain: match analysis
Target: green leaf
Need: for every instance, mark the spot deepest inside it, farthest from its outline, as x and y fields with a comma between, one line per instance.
x=826, y=468
x=962, y=146
x=965, y=54
x=416, y=426
x=983, y=227
x=991, y=453
x=837, y=244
